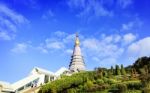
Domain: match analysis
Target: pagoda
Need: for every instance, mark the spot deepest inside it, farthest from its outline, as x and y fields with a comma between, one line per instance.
x=77, y=62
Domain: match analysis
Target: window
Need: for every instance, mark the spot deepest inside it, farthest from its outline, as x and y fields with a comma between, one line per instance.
x=46, y=79
x=21, y=88
x=28, y=85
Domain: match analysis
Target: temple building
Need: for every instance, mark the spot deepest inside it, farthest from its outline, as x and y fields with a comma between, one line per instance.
x=77, y=62
x=34, y=80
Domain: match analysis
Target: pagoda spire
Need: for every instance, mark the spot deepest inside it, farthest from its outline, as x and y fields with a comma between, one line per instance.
x=77, y=62
x=77, y=42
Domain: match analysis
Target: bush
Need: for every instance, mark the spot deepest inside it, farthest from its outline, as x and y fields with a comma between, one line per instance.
x=105, y=80
x=118, y=88
x=99, y=88
x=111, y=81
x=99, y=81
x=88, y=85
x=133, y=85
x=146, y=90
x=72, y=90
x=122, y=88
x=134, y=91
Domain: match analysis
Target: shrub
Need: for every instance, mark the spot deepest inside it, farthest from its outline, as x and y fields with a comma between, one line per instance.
x=105, y=80
x=99, y=81
x=122, y=88
x=134, y=85
x=134, y=91
x=72, y=90
x=118, y=88
x=111, y=81
x=88, y=85
x=99, y=88
x=146, y=90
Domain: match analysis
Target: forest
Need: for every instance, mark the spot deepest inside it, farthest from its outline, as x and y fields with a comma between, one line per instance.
x=134, y=78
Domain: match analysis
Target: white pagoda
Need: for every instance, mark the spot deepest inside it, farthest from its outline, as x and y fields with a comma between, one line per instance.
x=77, y=62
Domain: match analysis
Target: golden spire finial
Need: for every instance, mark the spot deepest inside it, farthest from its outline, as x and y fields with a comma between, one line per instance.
x=77, y=42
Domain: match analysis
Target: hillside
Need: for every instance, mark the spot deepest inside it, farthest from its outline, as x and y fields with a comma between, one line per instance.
x=102, y=80
x=142, y=65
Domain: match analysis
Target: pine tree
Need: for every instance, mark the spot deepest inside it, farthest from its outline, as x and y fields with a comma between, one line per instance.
x=112, y=70
x=117, y=70
x=146, y=69
x=99, y=72
x=132, y=73
x=123, y=72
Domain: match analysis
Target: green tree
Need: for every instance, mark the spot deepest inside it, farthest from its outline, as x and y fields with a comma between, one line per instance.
x=146, y=69
x=145, y=79
x=140, y=63
x=123, y=72
x=133, y=73
x=117, y=70
x=112, y=70
x=99, y=72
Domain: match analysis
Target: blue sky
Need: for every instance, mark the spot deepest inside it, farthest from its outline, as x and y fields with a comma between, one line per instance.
x=41, y=33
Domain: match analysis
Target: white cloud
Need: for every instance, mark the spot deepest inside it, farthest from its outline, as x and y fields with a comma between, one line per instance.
x=9, y=22
x=12, y=15
x=140, y=48
x=91, y=43
x=129, y=38
x=100, y=10
x=97, y=8
x=50, y=44
x=26, y=47
x=20, y=48
x=96, y=59
x=60, y=33
x=28, y=3
x=127, y=26
x=132, y=25
x=4, y=36
x=55, y=45
x=58, y=41
x=88, y=7
x=117, y=38
x=114, y=38
x=107, y=62
x=107, y=49
x=69, y=38
x=108, y=39
x=102, y=49
x=69, y=51
x=48, y=14
x=124, y=3
x=42, y=49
